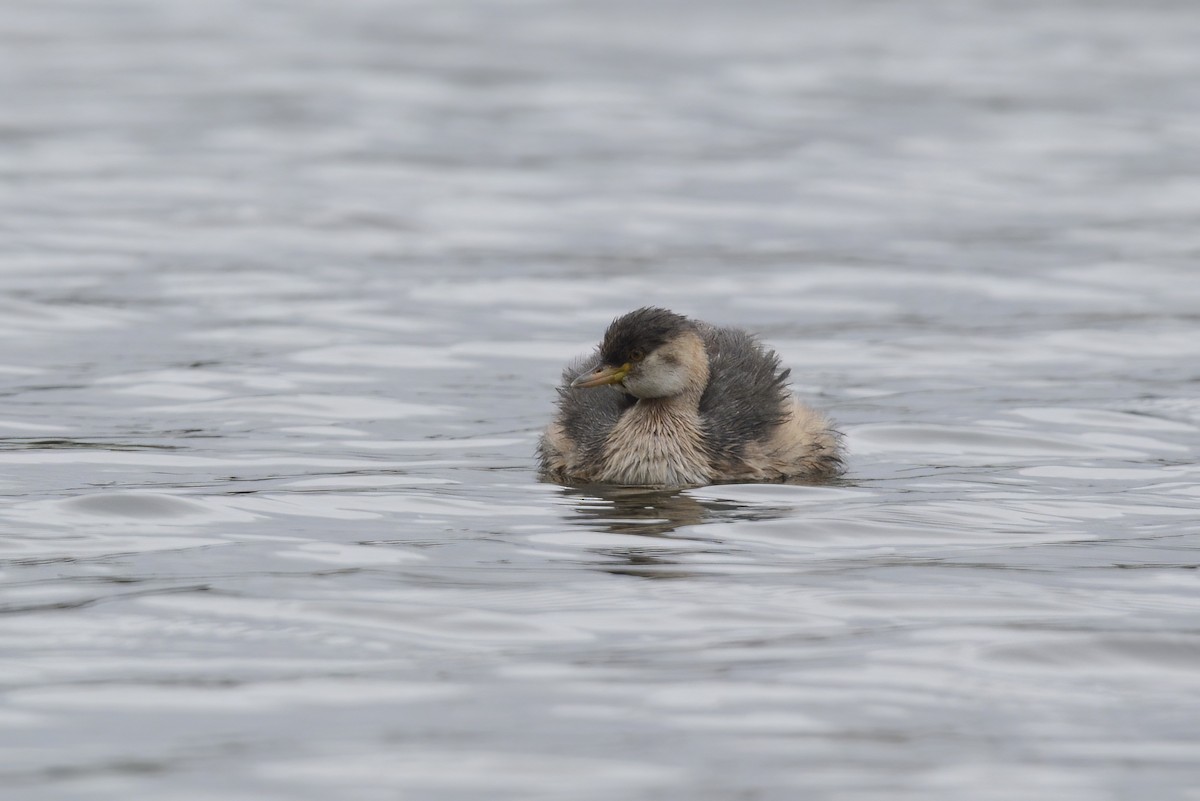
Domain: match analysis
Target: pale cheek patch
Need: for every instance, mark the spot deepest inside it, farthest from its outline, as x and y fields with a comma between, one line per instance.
x=660, y=376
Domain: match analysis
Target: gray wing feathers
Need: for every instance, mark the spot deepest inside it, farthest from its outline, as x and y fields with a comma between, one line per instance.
x=589, y=416
x=747, y=394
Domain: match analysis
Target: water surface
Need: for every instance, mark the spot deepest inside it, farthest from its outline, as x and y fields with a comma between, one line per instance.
x=284, y=293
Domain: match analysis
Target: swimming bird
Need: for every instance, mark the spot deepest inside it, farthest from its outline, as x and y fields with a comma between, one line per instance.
x=667, y=401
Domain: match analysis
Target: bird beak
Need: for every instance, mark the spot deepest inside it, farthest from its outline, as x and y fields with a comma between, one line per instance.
x=602, y=375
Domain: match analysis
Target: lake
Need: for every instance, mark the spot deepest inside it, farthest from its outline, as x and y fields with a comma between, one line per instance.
x=285, y=291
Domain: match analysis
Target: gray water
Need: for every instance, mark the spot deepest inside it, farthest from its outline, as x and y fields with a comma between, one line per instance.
x=285, y=288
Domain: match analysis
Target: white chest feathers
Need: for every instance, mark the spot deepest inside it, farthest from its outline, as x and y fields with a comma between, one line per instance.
x=656, y=443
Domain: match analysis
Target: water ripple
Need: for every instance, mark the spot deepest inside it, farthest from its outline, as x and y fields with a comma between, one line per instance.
x=285, y=293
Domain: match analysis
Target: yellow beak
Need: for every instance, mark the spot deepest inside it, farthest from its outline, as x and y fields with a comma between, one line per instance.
x=602, y=375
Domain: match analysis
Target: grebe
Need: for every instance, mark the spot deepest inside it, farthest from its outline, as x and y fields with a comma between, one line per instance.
x=683, y=403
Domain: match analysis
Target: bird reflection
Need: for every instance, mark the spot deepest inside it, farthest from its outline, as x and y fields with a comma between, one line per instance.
x=655, y=513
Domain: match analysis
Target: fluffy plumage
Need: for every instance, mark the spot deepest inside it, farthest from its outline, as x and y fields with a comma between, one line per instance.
x=690, y=404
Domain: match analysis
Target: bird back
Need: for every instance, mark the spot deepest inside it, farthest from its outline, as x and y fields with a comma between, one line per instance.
x=747, y=394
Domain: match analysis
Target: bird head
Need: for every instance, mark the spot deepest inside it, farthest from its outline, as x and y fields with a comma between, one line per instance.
x=650, y=353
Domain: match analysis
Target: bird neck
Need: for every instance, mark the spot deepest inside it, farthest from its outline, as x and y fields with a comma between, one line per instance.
x=659, y=441
x=685, y=405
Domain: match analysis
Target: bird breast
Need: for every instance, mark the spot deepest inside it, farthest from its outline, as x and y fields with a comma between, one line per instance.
x=657, y=442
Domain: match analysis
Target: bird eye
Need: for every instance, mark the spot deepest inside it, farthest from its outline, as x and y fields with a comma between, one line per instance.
x=637, y=354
